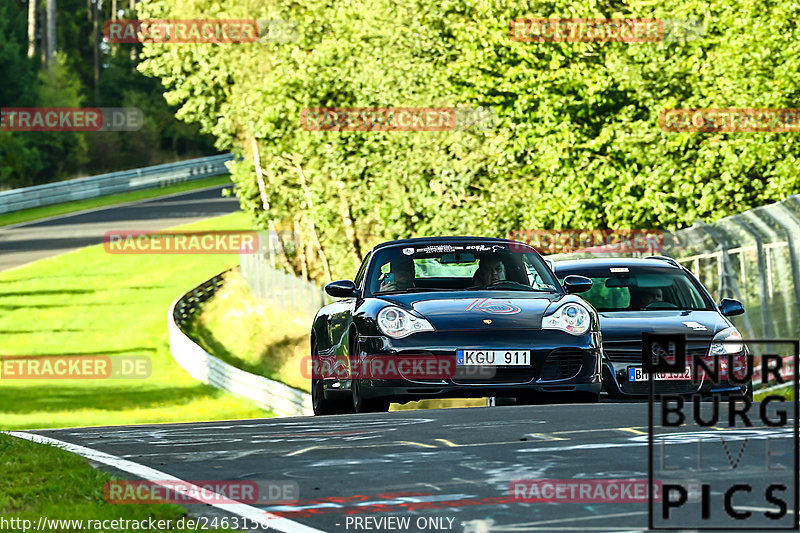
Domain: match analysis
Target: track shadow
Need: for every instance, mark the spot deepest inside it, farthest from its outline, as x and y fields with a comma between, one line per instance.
x=45, y=291
x=132, y=351
x=61, y=397
x=20, y=331
x=54, y=306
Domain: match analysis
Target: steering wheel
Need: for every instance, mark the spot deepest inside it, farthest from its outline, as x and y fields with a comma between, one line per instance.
x=660, y=304
x=508, y=282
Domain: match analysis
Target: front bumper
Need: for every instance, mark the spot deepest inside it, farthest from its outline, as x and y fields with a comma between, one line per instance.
x=560, y=362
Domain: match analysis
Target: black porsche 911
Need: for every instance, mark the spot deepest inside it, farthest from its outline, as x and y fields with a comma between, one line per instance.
x=453, y=317
x=658, y=295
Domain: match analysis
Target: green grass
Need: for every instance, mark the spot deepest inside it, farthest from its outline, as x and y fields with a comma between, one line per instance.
x=787, y=392
x=40, y=480
x=36, y=213
x=89, y=302
x=252, y=334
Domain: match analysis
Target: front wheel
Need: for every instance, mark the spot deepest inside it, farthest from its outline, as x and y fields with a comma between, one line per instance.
x=320, y=404
x=366, y=405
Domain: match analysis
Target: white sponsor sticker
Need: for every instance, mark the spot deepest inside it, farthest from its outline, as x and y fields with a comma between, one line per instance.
x=696, y=326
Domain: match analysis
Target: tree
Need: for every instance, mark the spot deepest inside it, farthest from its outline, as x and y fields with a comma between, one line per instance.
x=577, y=143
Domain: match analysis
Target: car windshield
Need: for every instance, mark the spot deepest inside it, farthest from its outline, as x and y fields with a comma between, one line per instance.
x=636, y=288
x=462, y=266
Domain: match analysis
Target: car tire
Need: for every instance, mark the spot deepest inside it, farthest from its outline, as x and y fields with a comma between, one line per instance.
x=530, y=399
x=366, y=405
x=321, y=405
x=503, y=401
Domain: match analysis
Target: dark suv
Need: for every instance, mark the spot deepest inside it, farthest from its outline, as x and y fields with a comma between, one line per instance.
x=657, y=295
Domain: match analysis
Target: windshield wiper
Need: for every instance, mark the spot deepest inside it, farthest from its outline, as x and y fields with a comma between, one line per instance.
x=521, y=288
x=416, y=289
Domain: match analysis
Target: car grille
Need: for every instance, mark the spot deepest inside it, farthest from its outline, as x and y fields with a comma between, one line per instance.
x=562, y=363
x=508, y=374
x=631, y=352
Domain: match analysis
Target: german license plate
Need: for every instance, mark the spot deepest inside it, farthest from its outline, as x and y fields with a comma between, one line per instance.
x=493, y=357
x=635, y=373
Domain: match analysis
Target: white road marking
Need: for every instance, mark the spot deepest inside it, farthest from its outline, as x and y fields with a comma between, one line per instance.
x=155, y=476
x=489, y=525
x=303, y=450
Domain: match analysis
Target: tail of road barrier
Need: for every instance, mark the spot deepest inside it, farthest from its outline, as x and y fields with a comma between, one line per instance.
x=282, y=399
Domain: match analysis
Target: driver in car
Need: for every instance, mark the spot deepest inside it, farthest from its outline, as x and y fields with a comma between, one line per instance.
x=490, y=270
x=400, y=276
x=652, y=295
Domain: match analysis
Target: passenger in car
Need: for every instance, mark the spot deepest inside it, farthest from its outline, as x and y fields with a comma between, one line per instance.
x=490, y=270
x=400, y=276
x=652, y=295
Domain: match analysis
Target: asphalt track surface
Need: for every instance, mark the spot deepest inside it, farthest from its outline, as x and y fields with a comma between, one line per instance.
x=454, y=466
x=31, y=241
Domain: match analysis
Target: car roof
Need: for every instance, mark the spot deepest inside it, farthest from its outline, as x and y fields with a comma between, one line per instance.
x=663, y=262
x=442, y=240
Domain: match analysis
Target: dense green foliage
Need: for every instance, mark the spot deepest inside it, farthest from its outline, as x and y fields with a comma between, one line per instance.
x=28, y=158
x=577, y=143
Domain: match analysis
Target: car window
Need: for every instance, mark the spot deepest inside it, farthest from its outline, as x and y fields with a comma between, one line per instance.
x=602, y=297
x=362, y=269
x=635, y=288
x=459, y=267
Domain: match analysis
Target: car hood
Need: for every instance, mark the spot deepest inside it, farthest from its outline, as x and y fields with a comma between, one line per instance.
x=629, y=325
x=506, y=309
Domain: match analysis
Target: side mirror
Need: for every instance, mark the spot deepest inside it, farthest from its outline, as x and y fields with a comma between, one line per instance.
x=341, y=289
x=730, y=307
x=576, y=284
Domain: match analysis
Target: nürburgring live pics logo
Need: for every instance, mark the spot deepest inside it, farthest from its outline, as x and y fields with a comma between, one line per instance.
x=723, y=462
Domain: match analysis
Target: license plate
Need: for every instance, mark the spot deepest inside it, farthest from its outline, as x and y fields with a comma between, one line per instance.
x=635, y=373
x=493, y=357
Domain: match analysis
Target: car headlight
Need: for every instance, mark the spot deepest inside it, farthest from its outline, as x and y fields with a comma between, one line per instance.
x=724, y=348
x=571, y=317
x=397, y=323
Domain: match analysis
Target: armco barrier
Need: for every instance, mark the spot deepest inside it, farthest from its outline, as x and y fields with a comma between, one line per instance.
x=283, y=290
x=266, y=393
x=113, y=183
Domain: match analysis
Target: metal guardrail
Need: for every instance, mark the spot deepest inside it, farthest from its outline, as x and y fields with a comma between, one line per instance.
x=268, y=282
x=754, y=257
x=113, y=183
x=282, y=399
